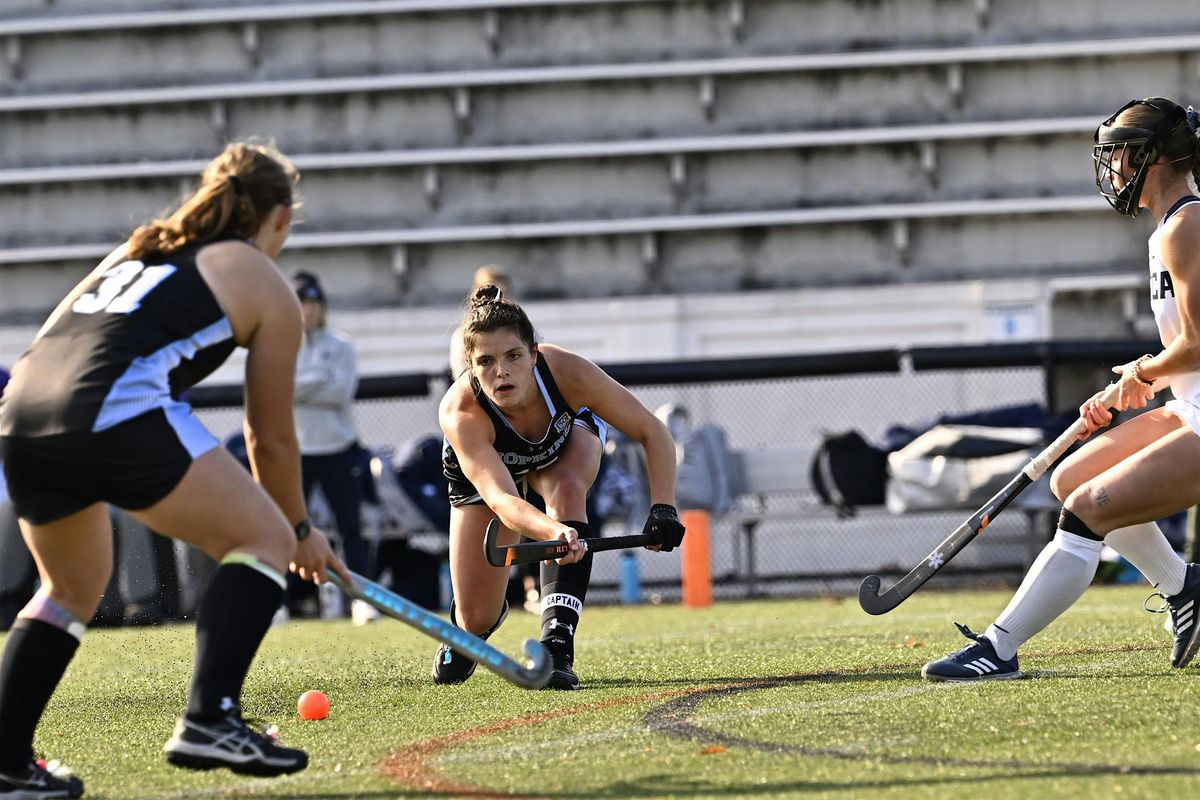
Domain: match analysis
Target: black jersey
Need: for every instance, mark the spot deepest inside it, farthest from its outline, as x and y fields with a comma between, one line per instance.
x=141, y=333
x=518, y=453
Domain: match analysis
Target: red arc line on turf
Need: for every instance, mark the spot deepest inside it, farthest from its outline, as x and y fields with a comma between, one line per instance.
x=410, y=765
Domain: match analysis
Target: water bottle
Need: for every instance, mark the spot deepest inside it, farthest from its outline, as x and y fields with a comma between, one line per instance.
x=631, y=582
x=445, y=587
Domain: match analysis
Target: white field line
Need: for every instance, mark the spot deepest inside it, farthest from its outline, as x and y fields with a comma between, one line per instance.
x=760, y=624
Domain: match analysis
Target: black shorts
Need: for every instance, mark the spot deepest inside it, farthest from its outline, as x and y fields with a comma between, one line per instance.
x=131, y=465
x=464, y=493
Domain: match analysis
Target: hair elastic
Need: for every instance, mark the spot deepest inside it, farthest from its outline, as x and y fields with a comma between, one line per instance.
x=1192, y=120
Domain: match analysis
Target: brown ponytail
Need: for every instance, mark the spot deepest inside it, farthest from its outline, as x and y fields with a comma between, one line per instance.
x=1193, y=121
x=488, y=311
x=238, y=190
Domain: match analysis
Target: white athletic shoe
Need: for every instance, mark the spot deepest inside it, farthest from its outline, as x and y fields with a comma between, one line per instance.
x=363, y=613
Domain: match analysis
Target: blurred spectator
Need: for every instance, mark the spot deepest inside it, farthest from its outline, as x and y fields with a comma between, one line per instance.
x=17, y=573
x=331, y=458
x=488, y=273
x=412, y=499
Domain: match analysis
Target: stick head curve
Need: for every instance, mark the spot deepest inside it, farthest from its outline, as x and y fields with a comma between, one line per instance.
x=537, y=672
x=494, y=554
x=869, y=597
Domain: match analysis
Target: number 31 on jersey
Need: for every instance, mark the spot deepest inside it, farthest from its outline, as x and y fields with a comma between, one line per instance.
x=122, y=288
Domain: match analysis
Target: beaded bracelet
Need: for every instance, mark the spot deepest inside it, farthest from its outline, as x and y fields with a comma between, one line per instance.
x=1137, y=373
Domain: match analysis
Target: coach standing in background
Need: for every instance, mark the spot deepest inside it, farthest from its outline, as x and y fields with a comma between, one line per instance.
x=326, y=381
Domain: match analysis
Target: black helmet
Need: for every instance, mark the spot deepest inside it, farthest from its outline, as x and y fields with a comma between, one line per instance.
x=1119, y=146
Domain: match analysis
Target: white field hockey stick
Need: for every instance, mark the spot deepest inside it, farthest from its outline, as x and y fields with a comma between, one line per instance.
x=875, y=602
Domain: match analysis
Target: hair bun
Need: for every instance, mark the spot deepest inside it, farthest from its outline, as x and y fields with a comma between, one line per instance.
x=485, y=294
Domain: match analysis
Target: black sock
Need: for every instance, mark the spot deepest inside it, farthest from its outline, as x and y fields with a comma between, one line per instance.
x=233, y=619
x=35, y=657
x=563, y=591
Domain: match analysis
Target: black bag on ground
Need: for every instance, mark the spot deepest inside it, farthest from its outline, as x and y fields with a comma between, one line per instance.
x=848, y=471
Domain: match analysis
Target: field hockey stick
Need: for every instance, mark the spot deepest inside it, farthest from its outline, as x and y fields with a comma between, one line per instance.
x=533, y=676
x=528, y=552
x=875, y=602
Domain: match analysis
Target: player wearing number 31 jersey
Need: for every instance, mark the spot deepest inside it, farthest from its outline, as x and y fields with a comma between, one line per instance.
x=93, y=416
x=140, y=332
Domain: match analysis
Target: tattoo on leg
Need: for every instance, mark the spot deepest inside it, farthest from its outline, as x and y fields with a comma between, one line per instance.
x=1102, y=498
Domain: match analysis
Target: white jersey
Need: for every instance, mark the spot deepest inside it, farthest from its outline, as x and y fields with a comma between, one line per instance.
x=1184, y=385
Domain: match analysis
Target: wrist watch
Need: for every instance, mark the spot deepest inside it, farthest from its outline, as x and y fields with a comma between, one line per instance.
x=303, y=528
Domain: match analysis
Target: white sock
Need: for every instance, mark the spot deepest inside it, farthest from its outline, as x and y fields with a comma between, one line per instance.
x=1059, y=575
x=1148, y=550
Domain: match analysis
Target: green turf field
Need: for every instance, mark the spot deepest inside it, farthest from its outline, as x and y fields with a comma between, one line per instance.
x=808, y=698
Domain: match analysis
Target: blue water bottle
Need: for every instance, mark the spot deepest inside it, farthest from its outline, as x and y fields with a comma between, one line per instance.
x=631, y=582
x=445, y=587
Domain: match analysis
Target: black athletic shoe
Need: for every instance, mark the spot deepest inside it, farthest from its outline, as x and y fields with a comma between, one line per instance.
x=33, y=782
x=562, y=656
x=232, y=744
x=1182, y=608
x=975, y=662
x=450, y=666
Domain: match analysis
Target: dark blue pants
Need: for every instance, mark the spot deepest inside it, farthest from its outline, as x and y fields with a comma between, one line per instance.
x=340, y=477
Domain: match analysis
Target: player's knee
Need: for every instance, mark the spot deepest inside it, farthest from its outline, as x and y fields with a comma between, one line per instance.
x=275, y=544
x=80, y=598
x=476, y=618
x=284, y=541
x=568, y=492
x=1081, y=514
x=1064, y=481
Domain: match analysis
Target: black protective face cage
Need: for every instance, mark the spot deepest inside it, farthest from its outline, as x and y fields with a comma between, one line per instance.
x=1123, y=148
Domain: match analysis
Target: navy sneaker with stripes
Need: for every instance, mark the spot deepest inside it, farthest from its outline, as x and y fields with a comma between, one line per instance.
x=975, y=662
x=33, y=781
x=1182, y=608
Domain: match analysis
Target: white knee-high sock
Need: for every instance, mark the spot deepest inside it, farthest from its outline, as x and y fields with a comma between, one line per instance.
x=1148, y=550
x=1058, y=577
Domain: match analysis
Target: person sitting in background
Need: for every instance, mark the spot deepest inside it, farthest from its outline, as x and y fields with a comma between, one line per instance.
x=326, y=380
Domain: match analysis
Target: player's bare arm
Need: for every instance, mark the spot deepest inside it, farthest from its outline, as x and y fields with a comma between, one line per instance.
x=471, y=435
x=585, y=384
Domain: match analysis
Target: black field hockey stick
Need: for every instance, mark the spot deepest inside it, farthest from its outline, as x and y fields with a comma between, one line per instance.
x=533, y=676
x=528, y=552
x=875, y=602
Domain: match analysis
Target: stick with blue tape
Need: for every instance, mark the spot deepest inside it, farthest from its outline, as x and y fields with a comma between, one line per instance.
x=531, y=676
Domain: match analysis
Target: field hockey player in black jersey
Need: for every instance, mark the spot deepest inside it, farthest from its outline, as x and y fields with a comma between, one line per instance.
x=529, y=416
x=93, y=417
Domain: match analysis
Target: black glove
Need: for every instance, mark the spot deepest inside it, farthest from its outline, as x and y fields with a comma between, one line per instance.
x=664, y=527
